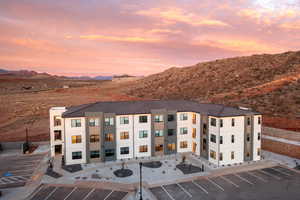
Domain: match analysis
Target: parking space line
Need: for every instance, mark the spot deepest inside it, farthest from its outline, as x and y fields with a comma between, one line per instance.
x=199, y=186
x=88, y=194
x=218, y=186
x=189, y=194
x=51, y=193
x=167, y=192
x=229, y=181
x=272, y=175
x=287, y=174
x=70, y=193
x=242, y=178
x=108, y=195
x=256, y=176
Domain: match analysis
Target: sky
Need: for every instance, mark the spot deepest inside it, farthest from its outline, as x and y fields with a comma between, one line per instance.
x=140, y=37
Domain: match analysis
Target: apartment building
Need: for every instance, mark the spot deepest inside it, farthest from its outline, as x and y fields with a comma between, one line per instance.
x=106, y=131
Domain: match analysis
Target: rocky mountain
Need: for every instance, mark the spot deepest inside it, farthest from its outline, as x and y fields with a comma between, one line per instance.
x=268, y=83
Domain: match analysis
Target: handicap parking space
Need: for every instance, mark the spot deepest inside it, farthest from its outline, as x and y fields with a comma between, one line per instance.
x=47, y=192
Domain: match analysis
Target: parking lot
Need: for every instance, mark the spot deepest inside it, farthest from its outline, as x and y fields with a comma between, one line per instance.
x=268, y=183
x=76, y=193
x=17, y=170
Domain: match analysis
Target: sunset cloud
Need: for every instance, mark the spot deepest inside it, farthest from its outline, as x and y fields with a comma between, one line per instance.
x=118, y=39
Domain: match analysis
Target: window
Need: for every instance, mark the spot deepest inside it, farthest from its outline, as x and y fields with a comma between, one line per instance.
x=213, y=138
x=158, y=118
x=170, y=118
x=221, y=122
x=143, y=148
x=204, y=129
x=93, y=122
x=183, y=131
x=171, y=146
x=143, y=119
x=159, y=147
x=183, y=116
x=258, y=151
x=232, y=122
x=94, y=138
x=204, y=144
x=248, y=121
x=109, y=137
x=194, y=133
x=109, y=152
x=194, y=118
x=143, y=134
x=76, y=139
x=159, y=133
x=183, y=145
x=171, y=132
x=232, y=155
x=57, y=135
x=57, y=121
x=258, y=136
x=108, y=121
x=213, y=122
x=232, y=138
x=76, y=155
x=95, y=154
x=221, y=156
x=248, y=137
x=248, y=154
x=124, y=120
x=259, y=120
x=75, y=122
x=212, y=154
x=124, y=150
x=221, y=139
x=124, y=135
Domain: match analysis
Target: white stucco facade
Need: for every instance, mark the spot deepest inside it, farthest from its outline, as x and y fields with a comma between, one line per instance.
x=124, y=142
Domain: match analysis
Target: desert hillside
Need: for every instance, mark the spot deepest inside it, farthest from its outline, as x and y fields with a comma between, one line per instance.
x=268, y=83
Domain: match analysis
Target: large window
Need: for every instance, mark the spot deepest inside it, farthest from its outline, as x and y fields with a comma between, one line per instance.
x=124, y=135
x=109, y=137
x=76, y=155
x=183, y=130
x=248, y=137
x=194, y=118
x=108, y=121
x=194, y=133
x=258, y=151
x=221, y=123
x=171, y=132
x=221, y=139
x=220, y=156
x=248, y=121
x=232, y=155
x=213, y=121
x=143, y=119
x=75, y=122
x=109, y=152
x=183, y=145
x=232, y=138
x=183, y=116
x=158, y=118
x=171, y=146
x=124, y=120
x=95, y=154
x=212, y=154
x=213, y=138
x=259, y=120
x=124, y=150
x=143, y=134
x=159, y=147
x=57, y=135
x=57, y=121
x=143, y=148
x=258, y=136
x=171, y=118
x=76, y=139
x=232, y=122
x=93, y=122
x=94, y=138
x=159, y=133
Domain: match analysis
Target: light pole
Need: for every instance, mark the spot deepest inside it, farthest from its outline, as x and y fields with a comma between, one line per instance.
x=141, y=196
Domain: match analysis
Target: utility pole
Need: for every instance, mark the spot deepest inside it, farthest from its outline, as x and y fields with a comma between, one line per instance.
x=141, y=196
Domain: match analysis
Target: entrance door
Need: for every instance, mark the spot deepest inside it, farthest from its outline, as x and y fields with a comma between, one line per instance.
x=58, y=149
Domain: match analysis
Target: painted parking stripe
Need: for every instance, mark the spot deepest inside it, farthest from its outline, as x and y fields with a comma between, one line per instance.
x=70, y=193
x=199, y=186
x=189, y=194
x=242, y=178
x=284, y=173
x=88, y=194
x=217, y=185
x=229, y=181
x=51, y=193
x=256, y=176
x=108, y=195
x=272, y=175
x=167, y=192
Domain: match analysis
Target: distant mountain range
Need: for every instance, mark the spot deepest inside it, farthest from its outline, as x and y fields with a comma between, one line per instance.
x=34, y=74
